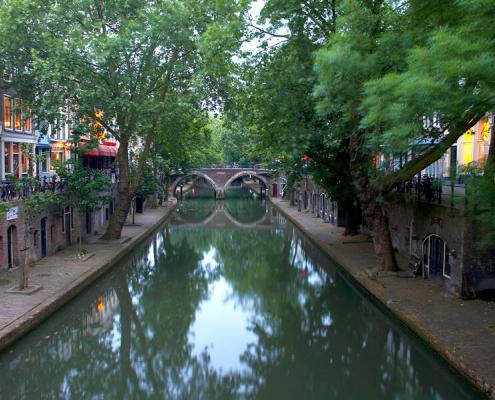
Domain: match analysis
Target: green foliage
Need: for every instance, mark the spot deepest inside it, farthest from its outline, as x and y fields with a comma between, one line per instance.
x=390, y=66
x=38, y=201
x=481, y=200
x=183, y=139
x=86, y=188
x=232, y=139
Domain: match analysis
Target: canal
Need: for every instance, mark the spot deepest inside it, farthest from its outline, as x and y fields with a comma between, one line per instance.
x=227, y=300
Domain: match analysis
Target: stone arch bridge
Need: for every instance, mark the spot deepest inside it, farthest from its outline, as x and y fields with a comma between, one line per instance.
x=221, y=178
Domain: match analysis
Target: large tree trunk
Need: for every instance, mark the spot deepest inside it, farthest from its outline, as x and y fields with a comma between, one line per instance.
x=117, y=221
x=375, y=216
x=352, y=219
x=382, y=240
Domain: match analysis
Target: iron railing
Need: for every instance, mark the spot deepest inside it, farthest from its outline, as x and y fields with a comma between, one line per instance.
x=435, y=190
x=12, y=190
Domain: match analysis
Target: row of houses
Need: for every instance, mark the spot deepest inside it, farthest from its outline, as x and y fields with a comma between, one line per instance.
x=29, y=150
x=430, y=224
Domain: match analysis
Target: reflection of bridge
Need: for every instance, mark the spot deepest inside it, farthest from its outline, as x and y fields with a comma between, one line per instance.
x=221, y=178
x=220, y=217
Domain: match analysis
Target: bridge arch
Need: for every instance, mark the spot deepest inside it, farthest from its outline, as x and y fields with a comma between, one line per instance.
x=245, y=173
x=221, y=211
x=241, y=224
x=193, y=173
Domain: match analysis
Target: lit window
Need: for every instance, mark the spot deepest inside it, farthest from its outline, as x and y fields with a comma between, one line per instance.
x=7, y=112
x=17, y=115
x=27, y=121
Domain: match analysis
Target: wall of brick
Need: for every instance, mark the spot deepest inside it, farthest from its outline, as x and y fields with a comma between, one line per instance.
x=57, y=234
x=472, y=270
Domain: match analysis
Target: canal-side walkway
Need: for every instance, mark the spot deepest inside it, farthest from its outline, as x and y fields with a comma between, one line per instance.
x=62, y=277
x=462, y=331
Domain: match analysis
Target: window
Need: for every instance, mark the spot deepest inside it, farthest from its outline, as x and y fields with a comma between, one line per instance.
x=24, y=158
x=7, y=112
x=17, y=115
x=8, y=157
x=43, y=164
x=15, y=155
x=27, y=121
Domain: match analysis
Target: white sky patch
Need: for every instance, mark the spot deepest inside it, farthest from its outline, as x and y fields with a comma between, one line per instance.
x=221, y=326
x=253, y=45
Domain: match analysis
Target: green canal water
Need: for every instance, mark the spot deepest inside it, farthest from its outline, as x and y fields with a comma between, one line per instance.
x=226, y=301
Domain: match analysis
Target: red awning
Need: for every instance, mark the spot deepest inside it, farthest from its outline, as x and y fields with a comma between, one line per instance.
x=103, y=150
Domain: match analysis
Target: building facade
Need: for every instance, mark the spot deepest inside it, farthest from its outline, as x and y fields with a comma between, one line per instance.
x=17, y=138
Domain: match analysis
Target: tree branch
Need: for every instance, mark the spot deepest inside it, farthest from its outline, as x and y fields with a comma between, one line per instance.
x=417, y=164
x=269, y=33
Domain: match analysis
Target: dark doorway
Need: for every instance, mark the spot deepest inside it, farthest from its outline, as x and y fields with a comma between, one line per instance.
x=43, y=237
x=11, y=245
x=88, y=223
x=274, y=190
x=139, y=204
x=434, y=256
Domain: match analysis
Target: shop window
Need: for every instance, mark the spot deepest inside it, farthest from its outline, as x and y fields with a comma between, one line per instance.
x=7, y=112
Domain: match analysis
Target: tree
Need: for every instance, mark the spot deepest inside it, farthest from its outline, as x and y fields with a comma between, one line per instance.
x=278, y=107
x=385, y=71
x=112, y=64
x=86, y=190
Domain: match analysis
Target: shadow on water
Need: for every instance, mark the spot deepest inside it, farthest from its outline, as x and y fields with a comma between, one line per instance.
x=224, y=311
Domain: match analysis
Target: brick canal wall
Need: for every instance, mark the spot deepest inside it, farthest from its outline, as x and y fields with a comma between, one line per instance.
x=442, y=239
x=460, y=267
x=461, y=332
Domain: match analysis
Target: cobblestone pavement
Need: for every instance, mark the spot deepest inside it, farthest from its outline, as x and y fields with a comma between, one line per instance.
x=461, y=331
x=62, y=278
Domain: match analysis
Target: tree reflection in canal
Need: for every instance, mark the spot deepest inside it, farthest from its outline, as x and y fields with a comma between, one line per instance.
x=210, y=310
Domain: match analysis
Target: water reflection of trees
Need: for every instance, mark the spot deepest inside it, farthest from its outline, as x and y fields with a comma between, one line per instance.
x=197, y=210
x=317, y=338
x=128, y=337
x=243, y=207
x=144, y=353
